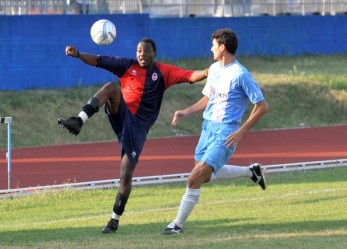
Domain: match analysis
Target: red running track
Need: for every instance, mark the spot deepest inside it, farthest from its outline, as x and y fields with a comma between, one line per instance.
x=40, y=166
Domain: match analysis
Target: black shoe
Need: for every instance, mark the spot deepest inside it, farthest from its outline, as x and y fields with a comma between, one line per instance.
x=73, y=124
x=175, y=230
x=258, y=175
x=111, y=227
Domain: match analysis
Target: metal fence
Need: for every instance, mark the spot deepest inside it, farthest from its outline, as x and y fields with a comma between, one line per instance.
x=175, y=8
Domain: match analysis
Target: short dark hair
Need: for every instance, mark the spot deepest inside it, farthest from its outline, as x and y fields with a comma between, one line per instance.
x=150, y=41
x=228, y=38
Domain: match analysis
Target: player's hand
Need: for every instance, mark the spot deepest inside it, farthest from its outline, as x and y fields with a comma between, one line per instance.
x=178, y=116
x=71, y=51
x=233, y=139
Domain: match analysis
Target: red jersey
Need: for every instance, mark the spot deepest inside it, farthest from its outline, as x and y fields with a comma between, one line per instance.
x=142, y=88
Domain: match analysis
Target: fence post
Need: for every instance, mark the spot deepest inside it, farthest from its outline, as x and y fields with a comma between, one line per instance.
x=8, y=120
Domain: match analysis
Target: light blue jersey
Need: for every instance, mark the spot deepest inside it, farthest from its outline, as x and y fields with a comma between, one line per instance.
x=229, y=89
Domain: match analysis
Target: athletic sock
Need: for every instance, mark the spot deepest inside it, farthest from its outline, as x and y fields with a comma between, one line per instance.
x=91, y=107
x=83, y=116
x=189, y=200
x=115, y=216
x=231, y=171
x=119, y=205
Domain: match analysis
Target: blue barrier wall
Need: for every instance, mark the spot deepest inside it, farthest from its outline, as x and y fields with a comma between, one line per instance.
x=32, y=48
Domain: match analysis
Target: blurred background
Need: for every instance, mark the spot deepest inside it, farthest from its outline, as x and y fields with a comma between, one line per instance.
x=175, y=8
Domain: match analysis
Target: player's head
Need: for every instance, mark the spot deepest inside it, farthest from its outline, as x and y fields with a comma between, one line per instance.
x=146, y=52
x=226, y=37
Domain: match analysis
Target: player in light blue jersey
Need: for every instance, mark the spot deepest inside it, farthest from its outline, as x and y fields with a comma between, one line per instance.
x=228, y=90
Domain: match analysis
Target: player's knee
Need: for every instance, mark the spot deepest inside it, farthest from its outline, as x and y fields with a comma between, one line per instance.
x=111, y=88
x=113, y=92
x=195, y=180
x=201, y=174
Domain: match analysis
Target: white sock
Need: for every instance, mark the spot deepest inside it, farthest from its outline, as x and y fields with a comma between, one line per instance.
x=189, y=200
x=83, y=116
x=115, y=216
x=231, y=171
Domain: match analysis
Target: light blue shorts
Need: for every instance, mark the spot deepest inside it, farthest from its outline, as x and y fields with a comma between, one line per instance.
x=211, y=148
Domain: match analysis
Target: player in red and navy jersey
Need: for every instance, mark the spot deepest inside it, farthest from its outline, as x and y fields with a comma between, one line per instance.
x=132, y=108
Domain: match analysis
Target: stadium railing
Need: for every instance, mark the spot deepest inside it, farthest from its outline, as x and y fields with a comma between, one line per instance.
x=176, y=8
x=164, y=179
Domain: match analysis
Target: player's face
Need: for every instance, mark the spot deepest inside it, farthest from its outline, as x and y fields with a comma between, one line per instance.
x=216, y=50
x=145, y=54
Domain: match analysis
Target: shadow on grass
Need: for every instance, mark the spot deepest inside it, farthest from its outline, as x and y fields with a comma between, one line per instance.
x=136, y=232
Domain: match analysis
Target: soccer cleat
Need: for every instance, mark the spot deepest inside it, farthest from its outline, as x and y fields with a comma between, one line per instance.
x=73, y=124
x=258, y=175
x=169, y=230
x=111, y=227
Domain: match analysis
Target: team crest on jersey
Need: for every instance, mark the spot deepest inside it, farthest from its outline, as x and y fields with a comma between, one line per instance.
x=133, y=72
x=154, y=76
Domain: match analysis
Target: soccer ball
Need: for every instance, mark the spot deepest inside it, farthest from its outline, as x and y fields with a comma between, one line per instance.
x=103, y=32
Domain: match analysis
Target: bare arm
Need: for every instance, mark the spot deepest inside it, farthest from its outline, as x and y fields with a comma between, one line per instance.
x=89, y=59
x=198, y=75
x=198, y=106
x=257, y=113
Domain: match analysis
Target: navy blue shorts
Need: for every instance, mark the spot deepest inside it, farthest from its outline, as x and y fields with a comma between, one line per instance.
x=131, y=134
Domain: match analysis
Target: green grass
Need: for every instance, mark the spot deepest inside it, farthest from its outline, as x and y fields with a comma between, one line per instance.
x=301, y=91
x=300, y=210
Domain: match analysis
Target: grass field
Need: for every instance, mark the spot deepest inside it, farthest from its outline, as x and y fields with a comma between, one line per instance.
x=301, y=91
x=299, y=210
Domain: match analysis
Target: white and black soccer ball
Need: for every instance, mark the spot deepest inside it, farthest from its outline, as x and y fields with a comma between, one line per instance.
x=103, y=32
